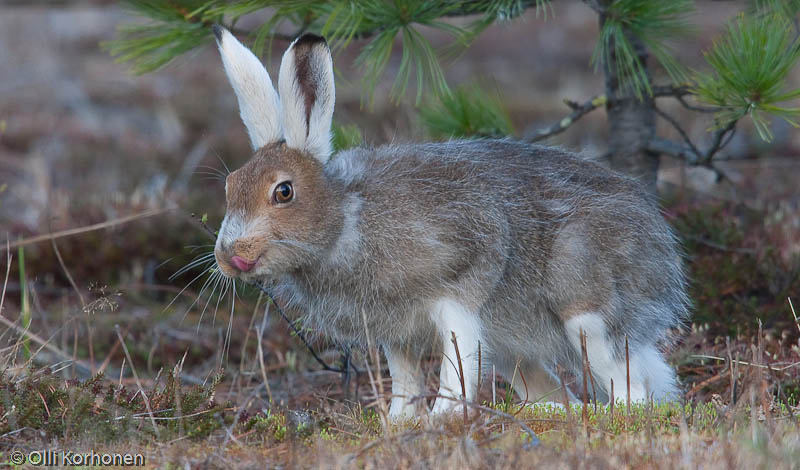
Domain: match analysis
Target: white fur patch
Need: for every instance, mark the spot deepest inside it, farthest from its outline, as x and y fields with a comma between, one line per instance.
x=230, y=230
x=347, y=246
x=649, y=373
x=406, y=384
x=450, y=317
x=314, y=135
x=233, y=227
x=258, y=102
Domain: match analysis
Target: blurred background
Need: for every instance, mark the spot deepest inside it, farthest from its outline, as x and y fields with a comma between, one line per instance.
x=83, y=141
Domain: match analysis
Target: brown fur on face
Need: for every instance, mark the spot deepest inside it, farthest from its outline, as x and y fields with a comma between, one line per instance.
x=280, y=237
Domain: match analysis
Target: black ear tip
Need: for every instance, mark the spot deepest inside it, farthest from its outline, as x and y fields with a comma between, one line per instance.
x=310, y=39
x=218, y=31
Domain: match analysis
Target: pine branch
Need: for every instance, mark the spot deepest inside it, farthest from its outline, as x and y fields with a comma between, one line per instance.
x=680, y=130
x=469, y=111
x=689, y=152
x=627, y=26
x=243, y=33
x=750, y=65
x=579, y=110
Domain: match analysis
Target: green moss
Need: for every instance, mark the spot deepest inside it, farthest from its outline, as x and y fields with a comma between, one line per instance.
x=106, y=413
x=268, y=425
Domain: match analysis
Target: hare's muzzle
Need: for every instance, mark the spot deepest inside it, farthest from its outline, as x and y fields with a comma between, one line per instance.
x=242, y=264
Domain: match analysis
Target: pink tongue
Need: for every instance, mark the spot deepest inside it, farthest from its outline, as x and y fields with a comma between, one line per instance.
x=242, y=264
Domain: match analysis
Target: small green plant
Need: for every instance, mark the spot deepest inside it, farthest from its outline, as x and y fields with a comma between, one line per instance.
x=269, y=425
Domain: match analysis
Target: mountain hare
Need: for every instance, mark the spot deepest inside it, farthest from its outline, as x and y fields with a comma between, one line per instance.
x=515, y=249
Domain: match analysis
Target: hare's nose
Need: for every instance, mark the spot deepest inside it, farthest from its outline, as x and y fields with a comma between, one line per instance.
x=242, y=264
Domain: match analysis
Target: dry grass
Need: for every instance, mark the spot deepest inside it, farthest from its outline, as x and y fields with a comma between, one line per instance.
x=272, y=408
x=103, y=301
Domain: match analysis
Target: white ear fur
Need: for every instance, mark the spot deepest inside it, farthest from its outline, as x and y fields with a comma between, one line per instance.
x=258, y=102
x=307, y=92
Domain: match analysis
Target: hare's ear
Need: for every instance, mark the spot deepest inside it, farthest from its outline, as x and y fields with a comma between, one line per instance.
x=307, y=95
x=258, y=103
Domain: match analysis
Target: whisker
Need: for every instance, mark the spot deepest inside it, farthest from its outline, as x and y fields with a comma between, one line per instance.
x=194, y=248
x=216, y=154
x=191, y=264
x=218, y=277
x=226, y=285
x=205, y=258
x=211, y=170
x=211, y=178
x=202, y=256
x=202, y=264
x=165, y=262
x=227, y=345
x=205, y=271
x=211, y=173
x=200, y=294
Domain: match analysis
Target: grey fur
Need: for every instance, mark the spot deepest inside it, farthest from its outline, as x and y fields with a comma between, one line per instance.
x=517, y=232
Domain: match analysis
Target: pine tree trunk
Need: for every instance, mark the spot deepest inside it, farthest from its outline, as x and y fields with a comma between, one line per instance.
x=631, y=122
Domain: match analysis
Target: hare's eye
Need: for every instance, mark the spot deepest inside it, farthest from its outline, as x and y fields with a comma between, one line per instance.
x=284, y=192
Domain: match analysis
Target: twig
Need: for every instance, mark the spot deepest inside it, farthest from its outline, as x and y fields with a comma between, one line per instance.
x=719, y=246
x=263, y=368
x=678, y=128
x=480, y=372
x=44, y=344
x=460, y=375
x=722, y=375
x=585, y=410
x=612, y=400
x=679, y=92
x=8, y=273
x=567, y=407
x=628, y=375
x=534, y=438
x=745, y=363
x=494, y=386
x=138, y=382
x=794, y=314
x=80, y=297
x=690, y=153
x=578, y=111
x=718, y=143
x=299, y=333
x=673, y=91
x=89, y=228
x=67, y=273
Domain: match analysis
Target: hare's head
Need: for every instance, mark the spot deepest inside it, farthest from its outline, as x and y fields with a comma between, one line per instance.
x=281, y=211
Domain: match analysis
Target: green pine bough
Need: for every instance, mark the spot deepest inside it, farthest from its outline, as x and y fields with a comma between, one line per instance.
x=745, y=76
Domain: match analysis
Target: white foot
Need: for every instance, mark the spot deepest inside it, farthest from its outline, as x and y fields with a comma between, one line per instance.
x=407, y=384
x=452, y=318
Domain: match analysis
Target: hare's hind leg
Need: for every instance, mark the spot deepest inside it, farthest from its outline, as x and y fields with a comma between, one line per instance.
x=407, y=381
x=451, y=317
x=650, y=375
